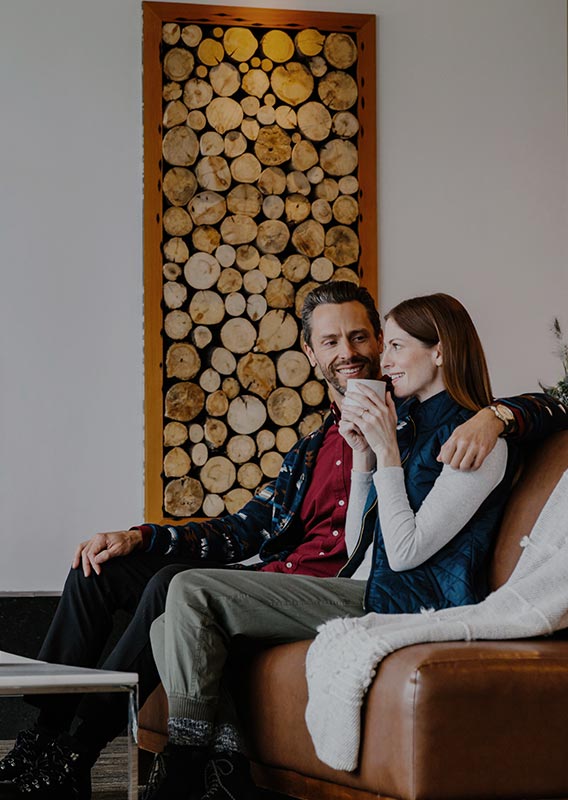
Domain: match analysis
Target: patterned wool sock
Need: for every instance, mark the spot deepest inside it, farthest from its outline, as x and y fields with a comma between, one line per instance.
x=190, y=732
x=226, y=738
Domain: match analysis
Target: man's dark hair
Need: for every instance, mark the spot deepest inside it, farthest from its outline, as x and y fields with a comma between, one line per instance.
x=335, y=293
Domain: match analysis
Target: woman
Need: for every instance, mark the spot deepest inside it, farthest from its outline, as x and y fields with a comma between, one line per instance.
x=432, y=528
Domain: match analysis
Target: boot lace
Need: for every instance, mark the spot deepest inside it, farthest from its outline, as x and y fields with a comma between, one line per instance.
x=26, y=751
x=54, y=767
x=216, y=770
x=156, y=777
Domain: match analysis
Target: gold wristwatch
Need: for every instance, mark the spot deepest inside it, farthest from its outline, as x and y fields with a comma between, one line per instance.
x=504, y=414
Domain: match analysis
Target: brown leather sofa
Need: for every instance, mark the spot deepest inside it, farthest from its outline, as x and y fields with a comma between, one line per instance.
x=446, y=721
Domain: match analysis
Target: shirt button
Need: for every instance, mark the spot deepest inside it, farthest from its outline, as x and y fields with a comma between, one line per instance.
x=289, y=564
x=338, y=463
x=322, y=553
x=335, y=533
x=341, y=503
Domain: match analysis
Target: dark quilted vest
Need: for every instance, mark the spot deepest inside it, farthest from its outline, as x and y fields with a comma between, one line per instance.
x=456, y=574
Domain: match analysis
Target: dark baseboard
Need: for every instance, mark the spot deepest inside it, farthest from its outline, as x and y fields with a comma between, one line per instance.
x=24, y=621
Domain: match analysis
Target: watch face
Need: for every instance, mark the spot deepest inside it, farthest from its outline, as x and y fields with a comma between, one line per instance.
x=506, y=412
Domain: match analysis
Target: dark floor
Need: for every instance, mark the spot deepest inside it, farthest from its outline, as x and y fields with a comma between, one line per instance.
x=109, y=774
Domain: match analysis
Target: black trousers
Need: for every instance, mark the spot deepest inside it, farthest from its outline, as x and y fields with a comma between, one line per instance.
x=81, y=627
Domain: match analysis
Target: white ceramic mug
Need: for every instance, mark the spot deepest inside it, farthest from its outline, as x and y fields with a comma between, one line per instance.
x=377, y=386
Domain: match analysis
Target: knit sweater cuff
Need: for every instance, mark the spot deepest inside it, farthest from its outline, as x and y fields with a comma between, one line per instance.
x=147, y=532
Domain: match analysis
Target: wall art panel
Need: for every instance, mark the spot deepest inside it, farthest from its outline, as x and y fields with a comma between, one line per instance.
x=260, y=183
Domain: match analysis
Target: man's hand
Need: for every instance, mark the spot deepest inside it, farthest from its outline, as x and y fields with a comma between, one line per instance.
x=104, y=546
x=470, y=443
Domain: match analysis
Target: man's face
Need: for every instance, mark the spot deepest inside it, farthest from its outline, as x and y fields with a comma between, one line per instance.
x=344, y=345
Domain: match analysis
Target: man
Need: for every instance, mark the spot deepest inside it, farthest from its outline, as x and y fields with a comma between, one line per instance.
x=294, y=524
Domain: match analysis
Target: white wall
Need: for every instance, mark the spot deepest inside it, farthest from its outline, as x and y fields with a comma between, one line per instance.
x=474, y=161
x=473, y=176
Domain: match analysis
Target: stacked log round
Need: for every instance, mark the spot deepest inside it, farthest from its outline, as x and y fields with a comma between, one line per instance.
x=265, y=440
x=210, y=380
x=175, y=294
x=236, y=499
x=241, y=448
x=256, y=306
x=195, y=432
x=257, y=374
x=171, y=271
x=199, y=453
x=177, y=221
x=247, y=257
x=286, y=438
x=175, y=433
x=215, y=432
x=182, y=361
x=260, y=205
x=176, y=463
x=249, y=475
x=231, y=387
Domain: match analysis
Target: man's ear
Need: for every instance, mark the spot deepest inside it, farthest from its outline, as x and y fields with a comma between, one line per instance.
x=381, y=341
x=310, y=353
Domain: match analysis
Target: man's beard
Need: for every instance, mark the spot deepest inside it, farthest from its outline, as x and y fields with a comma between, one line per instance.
x=372, y=367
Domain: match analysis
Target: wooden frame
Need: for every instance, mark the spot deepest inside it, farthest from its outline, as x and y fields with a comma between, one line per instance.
x=362, y=28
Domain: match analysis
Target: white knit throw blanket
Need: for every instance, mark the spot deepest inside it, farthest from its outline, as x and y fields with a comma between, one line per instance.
x=342, y=661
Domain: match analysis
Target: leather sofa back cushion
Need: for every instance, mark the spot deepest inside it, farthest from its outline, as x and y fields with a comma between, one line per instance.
x=543, y=469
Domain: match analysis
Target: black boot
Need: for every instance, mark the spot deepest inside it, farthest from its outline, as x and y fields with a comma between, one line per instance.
x=62, y=772
x=30, y=744
x=177, y=774
x=227, y=777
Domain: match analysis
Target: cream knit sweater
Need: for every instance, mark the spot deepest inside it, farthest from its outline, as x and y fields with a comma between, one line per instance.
x=343, y=659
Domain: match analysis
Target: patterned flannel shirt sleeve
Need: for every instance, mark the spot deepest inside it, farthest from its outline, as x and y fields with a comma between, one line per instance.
x=536, y=416
x=225, y=540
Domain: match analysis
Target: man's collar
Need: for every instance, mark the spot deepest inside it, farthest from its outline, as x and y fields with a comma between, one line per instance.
x=335, y=412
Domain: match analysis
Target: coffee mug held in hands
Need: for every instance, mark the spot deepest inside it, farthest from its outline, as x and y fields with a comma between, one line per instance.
x=352, y=385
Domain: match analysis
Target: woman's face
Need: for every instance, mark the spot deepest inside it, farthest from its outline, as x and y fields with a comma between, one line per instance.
x=414, y=368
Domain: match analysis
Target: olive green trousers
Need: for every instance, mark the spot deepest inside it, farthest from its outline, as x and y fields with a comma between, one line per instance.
x=206, y=608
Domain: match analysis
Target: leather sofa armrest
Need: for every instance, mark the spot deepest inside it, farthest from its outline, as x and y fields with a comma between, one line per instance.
x=441, y=721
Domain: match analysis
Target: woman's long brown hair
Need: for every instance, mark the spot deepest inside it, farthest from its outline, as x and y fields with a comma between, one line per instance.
x=441, y=318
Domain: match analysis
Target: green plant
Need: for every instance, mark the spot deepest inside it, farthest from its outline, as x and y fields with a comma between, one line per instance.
x=560, y=390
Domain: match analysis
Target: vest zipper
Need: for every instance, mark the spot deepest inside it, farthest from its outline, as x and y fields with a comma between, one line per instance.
x=359, y=540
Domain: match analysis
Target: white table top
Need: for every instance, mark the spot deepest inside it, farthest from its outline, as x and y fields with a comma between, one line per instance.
x=19, y=675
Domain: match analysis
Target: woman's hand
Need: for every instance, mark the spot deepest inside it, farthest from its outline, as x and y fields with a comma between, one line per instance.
x=351, y=433
x=363, y=457
x=375, y=420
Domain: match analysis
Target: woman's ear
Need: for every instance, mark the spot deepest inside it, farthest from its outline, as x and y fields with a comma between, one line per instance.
x=438, y=360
